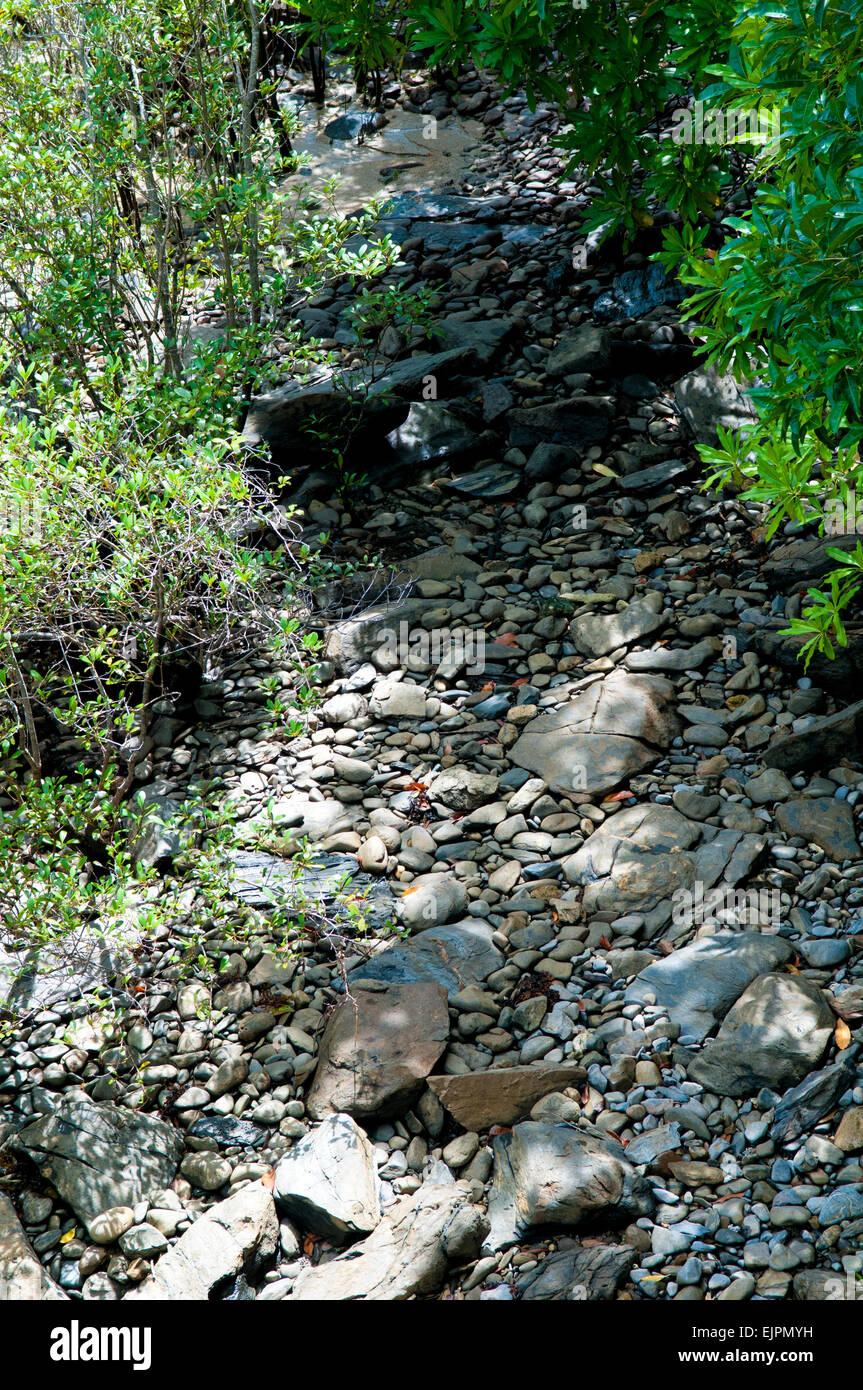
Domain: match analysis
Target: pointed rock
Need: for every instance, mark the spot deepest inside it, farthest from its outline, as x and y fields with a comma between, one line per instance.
x=239, y=1234
x=378, y=1048
x=407, y=1254
x=329, y=1184
x=455, y=955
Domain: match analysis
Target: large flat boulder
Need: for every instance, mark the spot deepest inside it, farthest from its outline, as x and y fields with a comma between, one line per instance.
x=606, y=733
x=267, y=880
x=453, y=956
x=287, y=418
x=651, y=859
x=101, y=1156
x=698, y=983
x=501, y=1095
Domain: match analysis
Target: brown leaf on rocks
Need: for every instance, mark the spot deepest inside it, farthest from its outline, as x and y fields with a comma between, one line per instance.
x=842, y=1034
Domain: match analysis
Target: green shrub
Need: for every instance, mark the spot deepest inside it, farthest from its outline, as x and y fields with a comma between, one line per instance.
x=141, y=179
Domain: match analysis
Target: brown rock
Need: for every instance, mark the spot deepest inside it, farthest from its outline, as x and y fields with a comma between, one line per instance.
x=500, y=1096
x=648, y=559
x=378, y=1048
x=822, y=821
x=688, y=1170
x=849, y=1135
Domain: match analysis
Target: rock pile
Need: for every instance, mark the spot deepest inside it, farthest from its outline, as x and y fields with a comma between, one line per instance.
x=604, y=841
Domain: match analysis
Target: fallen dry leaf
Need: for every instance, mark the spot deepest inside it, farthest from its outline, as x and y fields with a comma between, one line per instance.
x=842, y=1034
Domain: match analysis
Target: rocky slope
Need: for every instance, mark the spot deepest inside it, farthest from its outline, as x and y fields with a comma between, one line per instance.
x=610, y=1049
